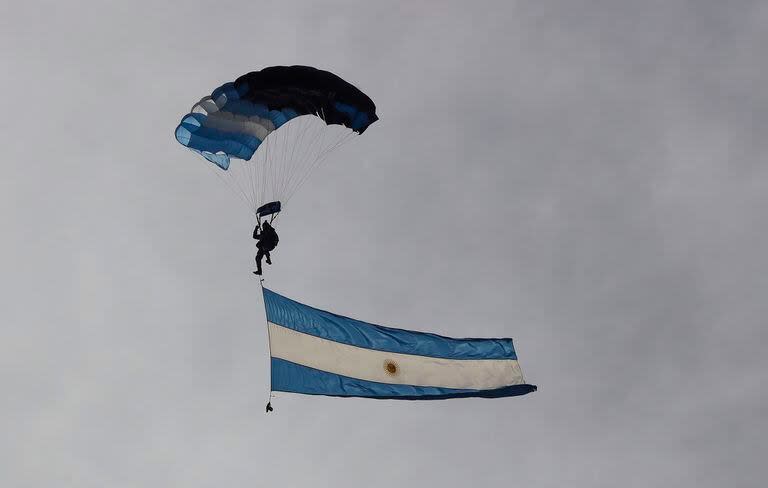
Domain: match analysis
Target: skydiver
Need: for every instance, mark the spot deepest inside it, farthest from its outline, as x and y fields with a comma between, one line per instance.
x=267, y=241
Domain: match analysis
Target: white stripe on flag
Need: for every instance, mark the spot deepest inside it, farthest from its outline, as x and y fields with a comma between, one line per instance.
x=387, y=367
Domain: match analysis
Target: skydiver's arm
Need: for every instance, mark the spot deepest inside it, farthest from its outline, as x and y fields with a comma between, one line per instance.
x=256, y=234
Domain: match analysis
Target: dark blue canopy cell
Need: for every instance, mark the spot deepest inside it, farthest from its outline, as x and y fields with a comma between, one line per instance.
x=308, y=90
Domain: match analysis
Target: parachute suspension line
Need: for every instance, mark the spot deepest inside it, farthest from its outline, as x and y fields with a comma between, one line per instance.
x=274, y=157
x=249, y=183
x=245, y=169
x=225, y=180
x=231, y=176
x=259, y=174
x=307, y=158
x=282, y=155
x=285, y=160
x=269, y=345
x=322, y=157
x=255, y=181
x=264, y=167
x=312, y=153
x=296, y=157
x=237, y=173
x=341, y=140
x=278, y=158
x=258, y=169
x=268, y=168
x=251, y=170
x=288, y=161
x=315, y=149
x=309, y=139
x=313, y=139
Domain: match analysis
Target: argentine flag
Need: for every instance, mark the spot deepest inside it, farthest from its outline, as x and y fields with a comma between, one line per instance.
x=315, y=352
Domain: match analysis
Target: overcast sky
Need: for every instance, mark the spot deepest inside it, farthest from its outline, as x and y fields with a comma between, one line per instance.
x=588, y=178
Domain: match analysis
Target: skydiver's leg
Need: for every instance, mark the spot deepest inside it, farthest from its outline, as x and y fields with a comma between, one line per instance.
x=259, y=256
x=269, y=258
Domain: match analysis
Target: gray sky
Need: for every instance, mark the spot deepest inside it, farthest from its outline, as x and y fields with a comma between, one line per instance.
x=584, y=177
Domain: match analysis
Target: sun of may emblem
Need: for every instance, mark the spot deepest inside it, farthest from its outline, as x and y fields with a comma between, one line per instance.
x=391, y=368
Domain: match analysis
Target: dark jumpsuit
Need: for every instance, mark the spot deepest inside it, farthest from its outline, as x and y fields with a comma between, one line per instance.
x=267, y=240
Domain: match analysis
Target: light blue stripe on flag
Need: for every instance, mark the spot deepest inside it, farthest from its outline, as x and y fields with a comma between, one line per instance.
x=295, y=378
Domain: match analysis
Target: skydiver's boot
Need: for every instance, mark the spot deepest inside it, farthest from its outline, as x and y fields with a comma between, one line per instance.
x=259, y=255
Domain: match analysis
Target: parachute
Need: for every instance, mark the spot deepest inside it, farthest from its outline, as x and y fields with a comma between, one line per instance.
x=280, y=124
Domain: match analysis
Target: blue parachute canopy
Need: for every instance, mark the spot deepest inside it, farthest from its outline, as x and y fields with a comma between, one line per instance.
x=236, y=118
